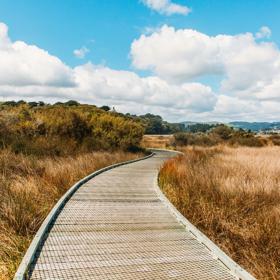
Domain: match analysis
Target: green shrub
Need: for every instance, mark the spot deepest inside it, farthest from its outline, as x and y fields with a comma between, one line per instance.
x=275, y=139
x=222, y=131
x=61, y=130
x=199, y=139
x=71, y=103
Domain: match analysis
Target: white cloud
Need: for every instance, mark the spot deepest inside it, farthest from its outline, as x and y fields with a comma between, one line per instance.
x=28, y=72
x=245, y=66
x=22, y=64
x=176, y=54
x=124, y=90
x=184, y=54
x=81, y=53
x=264, y=32
x=166, y=7
x=249, y=71
x=112, y=85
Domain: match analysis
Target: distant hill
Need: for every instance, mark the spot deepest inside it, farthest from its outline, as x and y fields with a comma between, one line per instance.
x=256, y=126
x=253, y=126
x=188, y=123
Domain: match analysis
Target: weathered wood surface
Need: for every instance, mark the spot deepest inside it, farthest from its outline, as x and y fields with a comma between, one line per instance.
x=116, y=226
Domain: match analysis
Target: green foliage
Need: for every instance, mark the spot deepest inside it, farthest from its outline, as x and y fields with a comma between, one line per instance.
x=66, y=128
x=200, y=139
x=223, y=131
x=218, y=135
x=105, y=108
x=154, y=124
x=275, y=139
x=71, y=103
x=10, y=103
x=200, y=127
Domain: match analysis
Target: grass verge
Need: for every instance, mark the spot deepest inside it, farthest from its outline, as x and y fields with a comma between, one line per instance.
x=233, y=196
x=29, y=188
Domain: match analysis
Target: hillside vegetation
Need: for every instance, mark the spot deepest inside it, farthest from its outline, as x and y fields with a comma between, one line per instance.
x=213, y=136
x=62, y=129
x=233, y=196
x=44, y=149
x=220, y=134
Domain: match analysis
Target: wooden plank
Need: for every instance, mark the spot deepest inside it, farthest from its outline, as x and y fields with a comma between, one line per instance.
x=117, y=226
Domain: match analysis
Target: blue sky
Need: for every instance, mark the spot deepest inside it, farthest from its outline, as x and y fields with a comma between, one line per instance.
x=108, y=28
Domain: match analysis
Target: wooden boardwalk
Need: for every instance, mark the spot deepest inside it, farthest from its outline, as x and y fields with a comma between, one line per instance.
x=118, y=226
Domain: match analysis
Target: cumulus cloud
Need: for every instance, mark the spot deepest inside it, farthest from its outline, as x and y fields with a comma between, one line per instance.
x=22, y=64
x=109, y=84
x=166, y=7
x=264, y=32
x=81, y=53
x=123, y=89
x=249, y=76
x=28, y=72
x=248, y=69
x=184, y=54
x=243, y=64
x=176, y=54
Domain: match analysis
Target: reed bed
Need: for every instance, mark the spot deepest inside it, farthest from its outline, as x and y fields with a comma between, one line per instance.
x=158, y=141
x=233, y=196
x=29, y=188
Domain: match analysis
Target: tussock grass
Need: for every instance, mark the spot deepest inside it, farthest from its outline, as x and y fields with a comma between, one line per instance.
x=233, y=196
x=157, y=141
x=29, y=187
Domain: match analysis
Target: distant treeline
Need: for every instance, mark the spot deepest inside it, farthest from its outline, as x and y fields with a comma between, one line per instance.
x=71, y=127
x=200, y=127
x=223, y=134
x=65, y=128
x=154, y=124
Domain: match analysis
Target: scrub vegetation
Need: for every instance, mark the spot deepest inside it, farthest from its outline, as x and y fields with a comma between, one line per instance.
x=44, y=149
x=233, y=196
x=65, y=128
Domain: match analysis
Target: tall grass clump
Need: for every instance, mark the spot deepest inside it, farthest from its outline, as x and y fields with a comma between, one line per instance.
x=44, y=149
x=220, y=134
x=158, y=141
x=233, y=196
x=63, y=129
x=29, y=188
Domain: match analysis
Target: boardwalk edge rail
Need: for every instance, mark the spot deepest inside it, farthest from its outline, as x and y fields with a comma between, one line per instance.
x=235, y=269
x=24, y=266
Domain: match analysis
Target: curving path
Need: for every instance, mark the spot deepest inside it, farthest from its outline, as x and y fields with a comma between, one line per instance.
x=119, y=226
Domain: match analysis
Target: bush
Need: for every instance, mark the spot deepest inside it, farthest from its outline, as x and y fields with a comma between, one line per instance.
x=182, y=139
x=275, y=139
x=61, y=130
x=71, y=103
x=220, y=135
x=222, y=131
x=200, y=139
x=233, y=196
x=250, y=141
x=105, y=108
x=10, y=103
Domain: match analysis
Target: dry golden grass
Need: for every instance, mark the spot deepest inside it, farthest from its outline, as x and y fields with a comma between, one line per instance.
x=233, y=196
x=157, y=141
x=29, y=187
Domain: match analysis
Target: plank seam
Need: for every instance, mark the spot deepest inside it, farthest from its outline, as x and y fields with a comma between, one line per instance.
x=30, y=254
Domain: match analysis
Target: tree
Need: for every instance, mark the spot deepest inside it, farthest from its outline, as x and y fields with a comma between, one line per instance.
x=72, y=103
x=10, y=103
x=223, y=131
x=105, y=108
x=32, y=104
x=21, y=102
